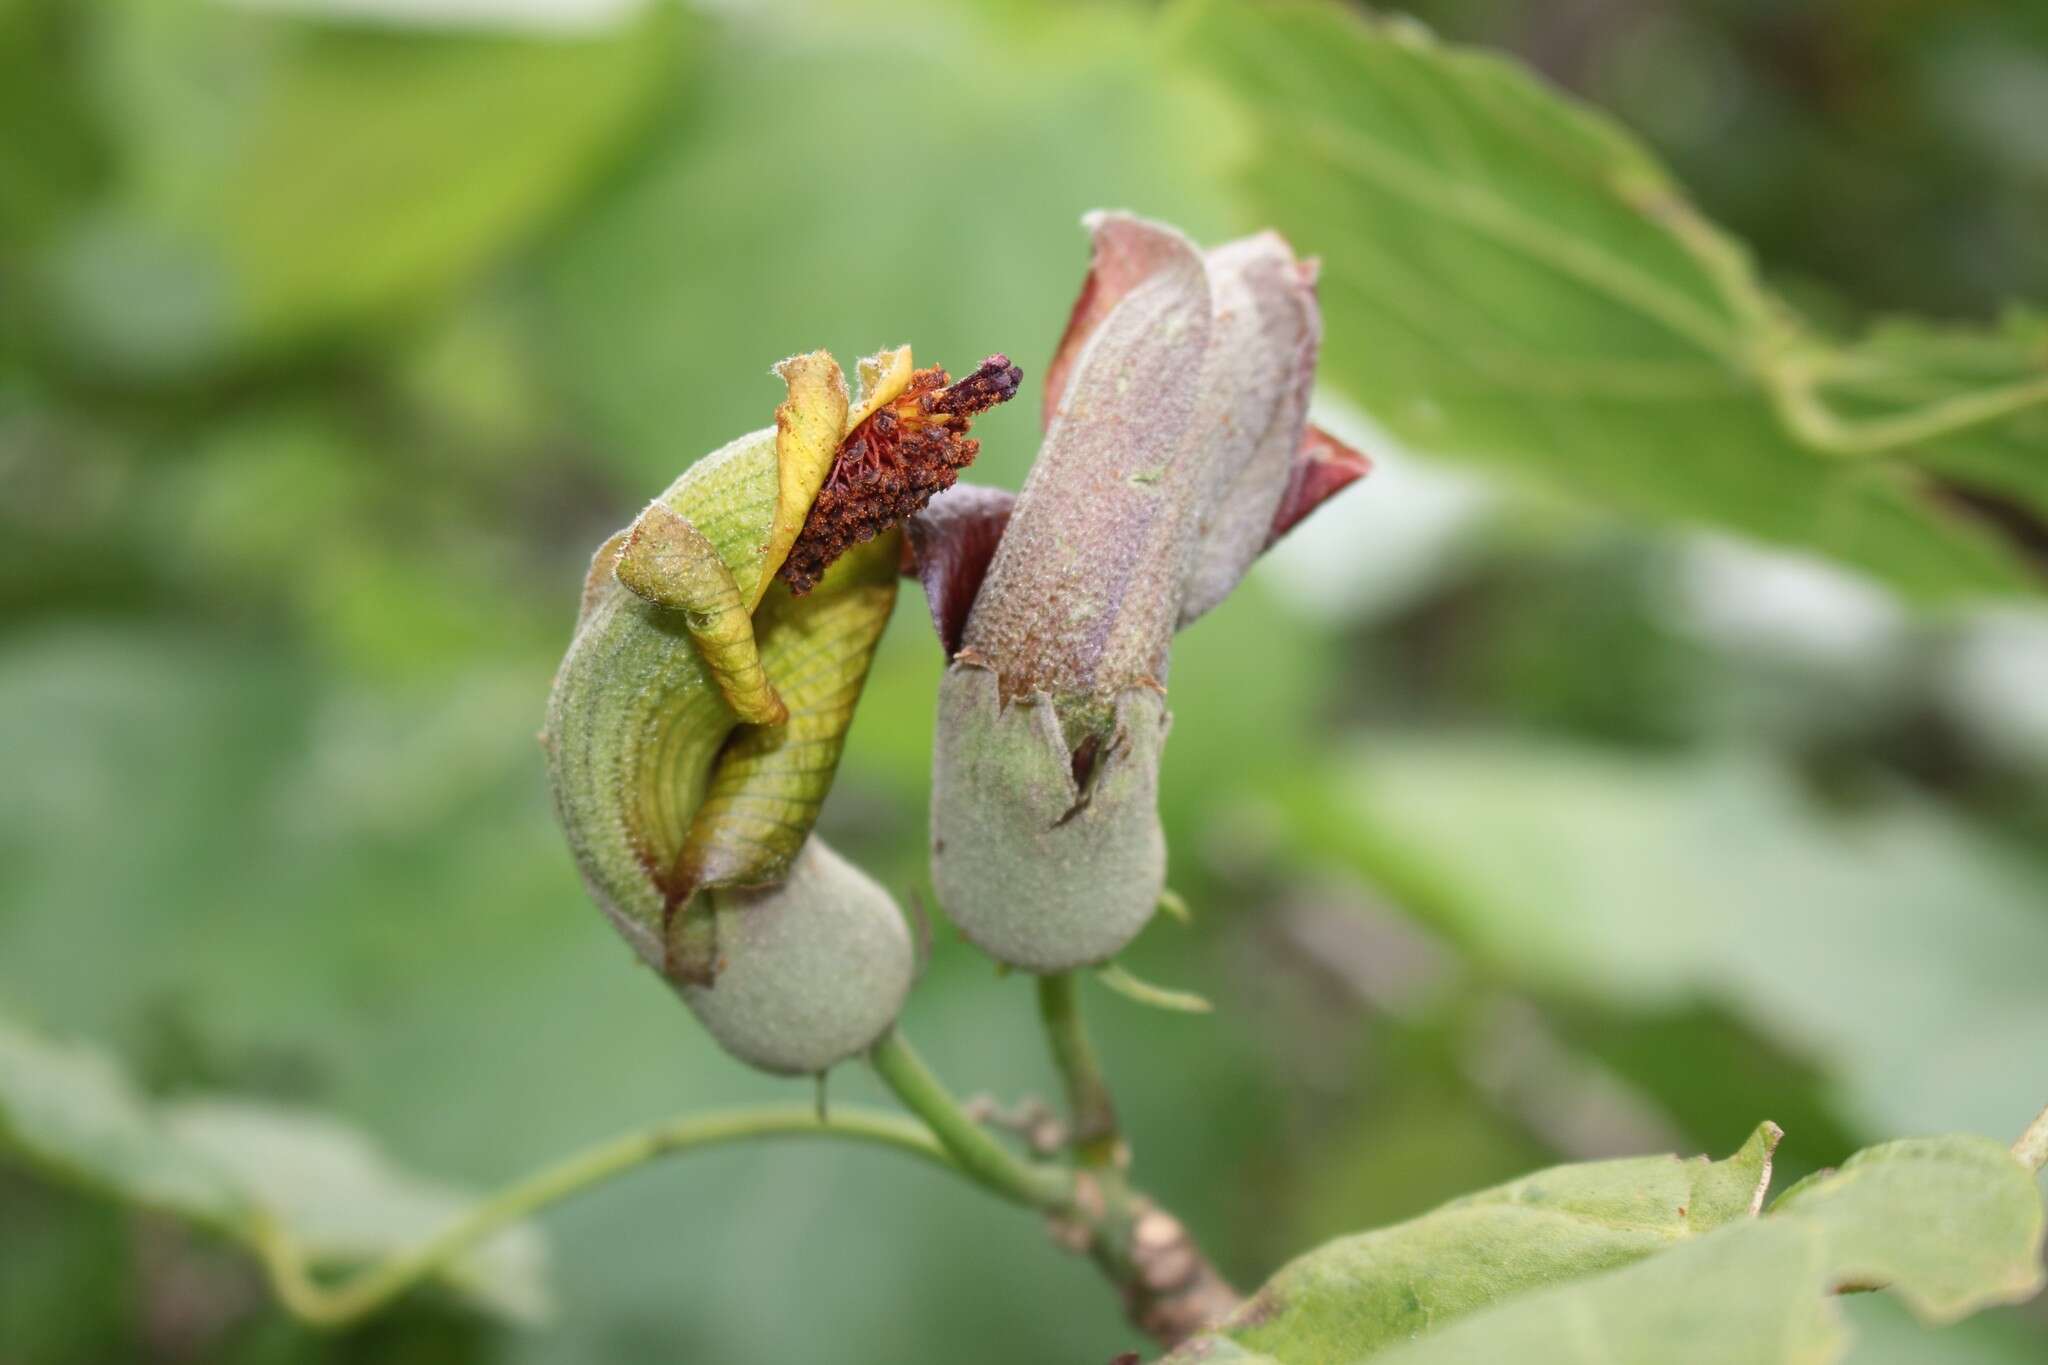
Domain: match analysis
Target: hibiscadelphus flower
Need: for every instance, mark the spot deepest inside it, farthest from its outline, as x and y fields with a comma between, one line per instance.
x=697, y=718
x=725, y=635
x=1176, y=450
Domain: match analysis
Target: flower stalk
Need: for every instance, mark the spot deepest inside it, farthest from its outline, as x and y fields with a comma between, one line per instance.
x=1170, y=1288
x=1091, y=1107
x=968, y=1145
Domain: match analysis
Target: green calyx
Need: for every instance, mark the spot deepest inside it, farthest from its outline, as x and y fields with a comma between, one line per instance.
x=812, y=970
x=1047, y=853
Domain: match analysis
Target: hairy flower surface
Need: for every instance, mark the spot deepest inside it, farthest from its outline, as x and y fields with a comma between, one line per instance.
x=1176, y=450
x=697, y=719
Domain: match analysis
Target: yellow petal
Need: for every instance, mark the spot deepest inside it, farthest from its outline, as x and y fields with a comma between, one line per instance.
x=808, y=428
x=883, y=375
x=769, y=781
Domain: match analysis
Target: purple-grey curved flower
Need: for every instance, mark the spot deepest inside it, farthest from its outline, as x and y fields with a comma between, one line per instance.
x=1176, y=450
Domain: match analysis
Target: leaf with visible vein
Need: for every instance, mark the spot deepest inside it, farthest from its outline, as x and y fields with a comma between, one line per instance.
x=1361, y=1294
x=770, y=781
x=1949, y=1225
x=1509, y=277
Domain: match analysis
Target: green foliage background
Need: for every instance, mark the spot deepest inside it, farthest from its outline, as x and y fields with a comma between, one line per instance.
x=1529, y=811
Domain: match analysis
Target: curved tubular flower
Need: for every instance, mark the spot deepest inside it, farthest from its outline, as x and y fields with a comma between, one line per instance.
x=1176, y=450
x=698, y=716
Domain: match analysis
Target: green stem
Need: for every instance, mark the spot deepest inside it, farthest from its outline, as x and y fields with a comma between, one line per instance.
x=1098, y=1148
x=1169, y=1287
x=334, y=1305
x=977, y=1155
x=1096, y=1142
x=2032, y=1148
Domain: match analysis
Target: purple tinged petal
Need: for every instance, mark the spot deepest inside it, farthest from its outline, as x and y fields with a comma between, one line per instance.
x=1127, y=251
x=1262, y=364
x=1177, y=418
x=1322, y=468
x=1085, y=590
x=1176, y=450
x=947, y=547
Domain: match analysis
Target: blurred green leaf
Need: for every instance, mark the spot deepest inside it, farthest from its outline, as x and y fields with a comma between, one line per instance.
x=285, y=178
x=858, y=176
x=1358, y=1295
x=1510, y=277
x=1948, y=1225
x=52, y=157
x=345, y=1204
x=1982, y=1244
x=1889, y=942
x=68, y=1111
x=71, y=1111
x=363, y=887
x=1887, y=1334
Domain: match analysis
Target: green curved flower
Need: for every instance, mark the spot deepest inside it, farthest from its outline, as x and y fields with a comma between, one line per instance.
x=698, y=717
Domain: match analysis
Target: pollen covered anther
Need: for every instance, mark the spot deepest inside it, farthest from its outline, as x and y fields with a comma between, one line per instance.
x=891, y=464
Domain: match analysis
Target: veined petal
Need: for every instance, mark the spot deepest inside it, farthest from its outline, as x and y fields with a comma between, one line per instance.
x=808, y=428
x=769, y=781
x=644, y=719
x=883, y=376
x=668, y=561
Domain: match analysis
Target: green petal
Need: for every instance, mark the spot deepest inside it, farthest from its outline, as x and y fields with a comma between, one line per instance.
x=808, y=428
x=697, y=720
x=669, y=562
x=636, y=719
x=770, y=781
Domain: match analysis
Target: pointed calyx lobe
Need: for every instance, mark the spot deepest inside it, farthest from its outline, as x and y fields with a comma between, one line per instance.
x=893, y=460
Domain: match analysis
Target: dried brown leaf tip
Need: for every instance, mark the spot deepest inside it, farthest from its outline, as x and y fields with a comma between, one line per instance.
x=893, y=461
